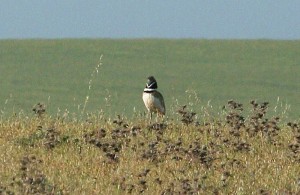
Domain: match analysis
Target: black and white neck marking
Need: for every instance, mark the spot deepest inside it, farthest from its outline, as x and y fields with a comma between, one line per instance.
x=147, y=90
x=151, y=85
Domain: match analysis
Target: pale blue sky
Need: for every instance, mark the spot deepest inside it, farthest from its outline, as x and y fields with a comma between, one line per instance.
x=209, y=19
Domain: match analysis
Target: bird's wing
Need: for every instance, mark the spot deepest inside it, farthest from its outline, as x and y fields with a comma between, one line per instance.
x=161, y=102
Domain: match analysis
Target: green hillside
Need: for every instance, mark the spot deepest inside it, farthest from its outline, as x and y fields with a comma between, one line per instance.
x=58, y=72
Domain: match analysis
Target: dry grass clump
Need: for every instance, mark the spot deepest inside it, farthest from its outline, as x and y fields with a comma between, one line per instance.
x=230, y=154
x=30, y=179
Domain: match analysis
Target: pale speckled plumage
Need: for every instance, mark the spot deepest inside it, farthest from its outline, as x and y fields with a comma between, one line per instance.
x=154, y=102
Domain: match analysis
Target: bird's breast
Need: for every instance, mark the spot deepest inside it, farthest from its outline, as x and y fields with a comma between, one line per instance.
x=152, y=103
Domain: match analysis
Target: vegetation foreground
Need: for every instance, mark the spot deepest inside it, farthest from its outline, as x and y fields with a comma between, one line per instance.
x=192, y=153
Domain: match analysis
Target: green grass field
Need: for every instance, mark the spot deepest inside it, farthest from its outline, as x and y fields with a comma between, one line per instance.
x=82, y=146
x=57, y=73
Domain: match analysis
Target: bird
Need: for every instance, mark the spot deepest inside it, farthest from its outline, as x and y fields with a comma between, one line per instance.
x=153, y=99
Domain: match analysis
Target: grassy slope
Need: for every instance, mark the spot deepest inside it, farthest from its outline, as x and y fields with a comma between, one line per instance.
x=57, y=156
x=34, y=70
x=71, y=156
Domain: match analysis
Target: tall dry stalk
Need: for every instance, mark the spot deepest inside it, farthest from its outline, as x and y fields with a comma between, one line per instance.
x=95, y=72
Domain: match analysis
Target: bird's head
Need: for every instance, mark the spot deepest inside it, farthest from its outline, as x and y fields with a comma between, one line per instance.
x=151, y=83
